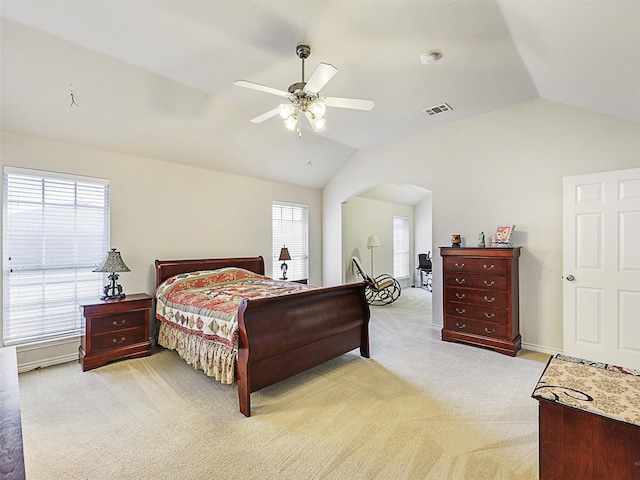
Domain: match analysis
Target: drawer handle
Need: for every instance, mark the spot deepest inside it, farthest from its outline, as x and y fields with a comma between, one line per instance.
x=115, y=323
x=489, y=268
x=115, y=340
x=462, y=295
x=490, y=300
x=493, y=330
x=460, y=282
x=489, y=315
x=461, y=312
x=461, y=326
x=493, y=282
x=461, y=265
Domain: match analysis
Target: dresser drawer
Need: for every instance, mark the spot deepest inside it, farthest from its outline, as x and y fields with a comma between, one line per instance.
x=491, y=266
x=111, y=323
x=476, y=327
x=120, y=338
x=475, y=312
x=486, y=282
x=476, y=297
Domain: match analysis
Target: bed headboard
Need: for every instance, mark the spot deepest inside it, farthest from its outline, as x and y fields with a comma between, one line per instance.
x=169, y=268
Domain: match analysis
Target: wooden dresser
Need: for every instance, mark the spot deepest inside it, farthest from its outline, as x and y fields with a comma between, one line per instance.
x=481, y=297
x=115, y=329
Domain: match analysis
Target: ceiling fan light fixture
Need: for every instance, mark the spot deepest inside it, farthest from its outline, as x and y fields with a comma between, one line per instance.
x=304, y=98
x=319, y=123
x=285, y=110
x=291, y=122
x=318, y=108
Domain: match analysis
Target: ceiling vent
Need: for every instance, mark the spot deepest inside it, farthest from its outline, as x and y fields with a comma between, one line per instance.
x=438, y=109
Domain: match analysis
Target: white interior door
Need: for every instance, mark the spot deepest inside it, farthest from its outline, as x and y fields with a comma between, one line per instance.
x=601, y=265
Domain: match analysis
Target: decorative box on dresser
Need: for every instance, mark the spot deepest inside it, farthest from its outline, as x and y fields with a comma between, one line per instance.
x=115, y=329
x=481, y=301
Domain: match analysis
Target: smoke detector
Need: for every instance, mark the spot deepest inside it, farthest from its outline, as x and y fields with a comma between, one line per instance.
x=430, y=57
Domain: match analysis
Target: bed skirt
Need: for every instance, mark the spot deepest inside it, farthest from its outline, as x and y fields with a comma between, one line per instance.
x=216, y=360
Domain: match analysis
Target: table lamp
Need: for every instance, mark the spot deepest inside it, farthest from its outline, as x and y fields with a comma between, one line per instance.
x=112, y=263
x=284, y=256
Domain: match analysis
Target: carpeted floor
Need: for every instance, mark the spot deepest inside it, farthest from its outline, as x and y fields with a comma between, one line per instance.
x=420, y=408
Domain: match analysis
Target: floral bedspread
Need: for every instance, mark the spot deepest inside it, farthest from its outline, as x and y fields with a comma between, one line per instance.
x=206, y=303
x=595, y=387
x=199, y=314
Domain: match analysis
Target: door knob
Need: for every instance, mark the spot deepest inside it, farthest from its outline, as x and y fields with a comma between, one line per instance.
x=571, y=278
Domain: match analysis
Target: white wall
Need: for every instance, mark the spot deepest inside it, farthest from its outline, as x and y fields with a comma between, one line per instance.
x=161, y=210
x=505, y=167
x=362, y=217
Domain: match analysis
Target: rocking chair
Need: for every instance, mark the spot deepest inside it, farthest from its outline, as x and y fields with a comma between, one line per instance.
x=381, y=290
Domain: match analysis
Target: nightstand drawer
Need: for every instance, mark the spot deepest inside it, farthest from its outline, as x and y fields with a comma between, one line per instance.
x=111, y=323
x=121, y=338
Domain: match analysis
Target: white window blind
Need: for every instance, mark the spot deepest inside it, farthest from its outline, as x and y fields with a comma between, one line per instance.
x=55, y=232
x=400, y=247
x=291, y=229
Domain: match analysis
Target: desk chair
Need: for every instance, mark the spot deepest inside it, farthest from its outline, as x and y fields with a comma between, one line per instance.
x=425, y=266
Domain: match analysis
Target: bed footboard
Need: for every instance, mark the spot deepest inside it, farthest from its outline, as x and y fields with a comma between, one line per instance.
x=283, y=336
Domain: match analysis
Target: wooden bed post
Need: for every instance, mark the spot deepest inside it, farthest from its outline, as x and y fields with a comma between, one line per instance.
x=242, y=367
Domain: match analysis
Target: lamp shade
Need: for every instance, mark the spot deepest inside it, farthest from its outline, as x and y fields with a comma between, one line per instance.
x=291, y=122
x=112, y=263
x=285, y=110
x=373, y=241
x=284, y=254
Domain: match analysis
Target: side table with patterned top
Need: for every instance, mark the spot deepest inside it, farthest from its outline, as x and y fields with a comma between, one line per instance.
x=589, y=420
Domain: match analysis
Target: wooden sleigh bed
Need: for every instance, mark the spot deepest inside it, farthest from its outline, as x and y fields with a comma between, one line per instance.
x=279, y=337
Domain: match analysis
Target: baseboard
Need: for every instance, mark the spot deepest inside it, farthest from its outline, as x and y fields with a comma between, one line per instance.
x=27, y=367
x=540, y=349
x=47, y=353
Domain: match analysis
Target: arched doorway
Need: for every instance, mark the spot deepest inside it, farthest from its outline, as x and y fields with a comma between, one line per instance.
x=371, y=212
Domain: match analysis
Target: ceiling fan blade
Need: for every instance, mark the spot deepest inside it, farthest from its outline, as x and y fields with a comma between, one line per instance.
x=314, y=126
x=355, y=103
x=261, y=88
x=265, y=116
x=320, y=77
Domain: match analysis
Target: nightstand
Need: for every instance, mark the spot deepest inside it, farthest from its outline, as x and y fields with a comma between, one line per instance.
x=115, y=329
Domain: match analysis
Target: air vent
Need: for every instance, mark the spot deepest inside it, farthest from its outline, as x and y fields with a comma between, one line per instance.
x=438, y=109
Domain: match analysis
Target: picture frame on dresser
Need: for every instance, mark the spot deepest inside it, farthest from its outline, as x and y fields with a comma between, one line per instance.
x=481, y=297
x=502, y=237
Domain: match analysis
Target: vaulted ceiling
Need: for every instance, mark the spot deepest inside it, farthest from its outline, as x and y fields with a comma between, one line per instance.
x=155, y=77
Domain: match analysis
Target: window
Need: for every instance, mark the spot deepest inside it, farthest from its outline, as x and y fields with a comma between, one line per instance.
x=55, y=232
x=291, y=229
x=400, y=247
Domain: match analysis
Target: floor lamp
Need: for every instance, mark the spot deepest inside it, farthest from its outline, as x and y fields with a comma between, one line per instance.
x=372, y=242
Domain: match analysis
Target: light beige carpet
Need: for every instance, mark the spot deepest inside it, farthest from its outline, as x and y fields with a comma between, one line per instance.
x=419, y=408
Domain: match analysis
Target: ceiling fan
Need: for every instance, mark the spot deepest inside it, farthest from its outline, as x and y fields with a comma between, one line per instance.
x=304, y=98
